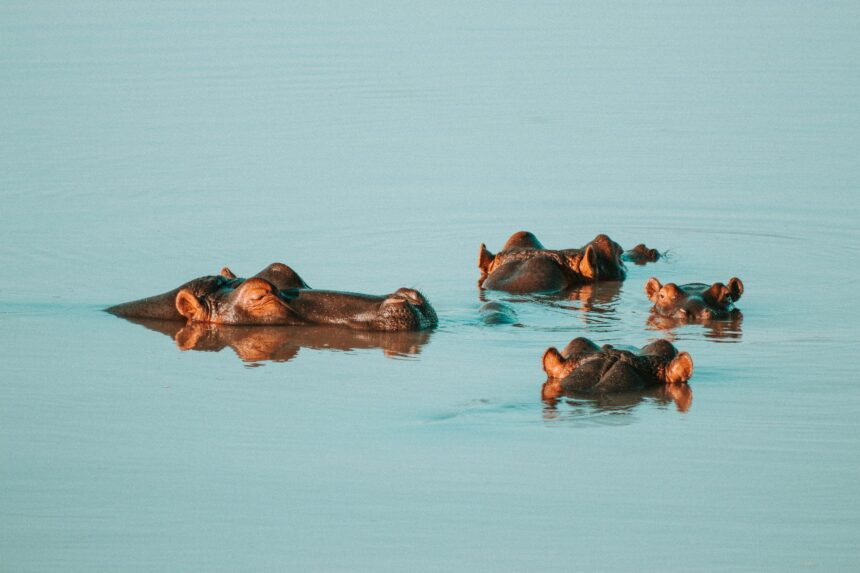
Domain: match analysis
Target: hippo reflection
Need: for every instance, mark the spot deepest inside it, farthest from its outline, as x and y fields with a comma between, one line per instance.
x=571, y=404
x=694, y=301
x=278, y=296
x=278, y=344
x=725, y=329
x=524, y=265
x=584, y=367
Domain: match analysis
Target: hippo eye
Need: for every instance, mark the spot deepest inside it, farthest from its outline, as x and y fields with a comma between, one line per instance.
x=259, y=295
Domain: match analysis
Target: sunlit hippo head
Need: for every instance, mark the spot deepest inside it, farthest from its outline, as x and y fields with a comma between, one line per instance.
x=696, y=301
x=525, y=266
x=258, y=301
x=278, y=296
x=583, y=366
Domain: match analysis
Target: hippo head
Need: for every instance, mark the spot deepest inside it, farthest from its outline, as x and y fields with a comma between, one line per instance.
x=256, y=301
x=253, y=301
x=694, y=301
x=663, y=361
x=601, y=260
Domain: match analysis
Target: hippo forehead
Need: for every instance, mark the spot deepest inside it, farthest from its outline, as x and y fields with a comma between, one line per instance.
x=672, y=291
x=606, y=247
x=209, y=285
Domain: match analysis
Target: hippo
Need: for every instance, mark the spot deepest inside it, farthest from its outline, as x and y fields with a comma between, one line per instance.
x=584, y=367
x=278, y=296
x=279, y=344
x=695, y=301
x=641, y=255
x=524, y=265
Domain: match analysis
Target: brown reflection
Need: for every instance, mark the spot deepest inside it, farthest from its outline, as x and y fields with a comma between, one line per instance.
x=571, y=404
x=594, y=297
x=283, y=343
x=598, y=297
x=722, y=329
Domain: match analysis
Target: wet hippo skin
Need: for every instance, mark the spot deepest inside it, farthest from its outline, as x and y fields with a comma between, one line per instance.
x=584, y=367
x=524, y=265
x=278, y=296
x=695, y=301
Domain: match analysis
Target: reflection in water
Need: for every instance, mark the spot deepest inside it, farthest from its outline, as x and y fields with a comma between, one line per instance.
x=726, y=329
x=281, y=344
x=574, y=406
x=596, y=302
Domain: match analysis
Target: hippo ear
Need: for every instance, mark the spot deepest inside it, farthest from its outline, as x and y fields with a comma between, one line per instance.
x=736, y=288
x=553, y=363
x=189, y=306
x=680, y=369
x=588, y=264
x=227, y=273
x=485, y=258
x=652, y=287
x=717, y=294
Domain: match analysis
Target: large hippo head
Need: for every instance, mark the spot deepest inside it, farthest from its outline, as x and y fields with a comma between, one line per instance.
x=278, y=296
x=258, y=301
x=696, y=301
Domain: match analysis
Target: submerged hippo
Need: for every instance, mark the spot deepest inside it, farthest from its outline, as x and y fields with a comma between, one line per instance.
x=524, y=265
x=640, y=255
x=696, y=301
x=584, y=367
x=278, y=296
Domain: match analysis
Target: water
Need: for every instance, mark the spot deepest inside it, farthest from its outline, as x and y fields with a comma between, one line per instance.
x=372, y=147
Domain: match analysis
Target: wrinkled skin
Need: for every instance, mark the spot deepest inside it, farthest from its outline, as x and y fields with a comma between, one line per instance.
x=694, y=301
x=524, y=265
x=163, y=306
x=584, y=367
x=275, y=343
x=260, y=300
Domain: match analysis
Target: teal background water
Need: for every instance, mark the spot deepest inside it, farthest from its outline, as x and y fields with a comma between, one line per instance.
x=372, y=146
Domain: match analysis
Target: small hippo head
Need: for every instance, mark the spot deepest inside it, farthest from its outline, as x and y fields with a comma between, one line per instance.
x=601, y=260
x=696, y=300
x=405, y=309
x=253, y=301
x=641, y=254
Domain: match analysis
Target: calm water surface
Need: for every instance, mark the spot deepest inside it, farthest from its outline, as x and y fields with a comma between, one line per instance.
x=374, y=146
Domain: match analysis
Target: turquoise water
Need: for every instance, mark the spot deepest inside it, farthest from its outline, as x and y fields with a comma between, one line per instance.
x=373, y=146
